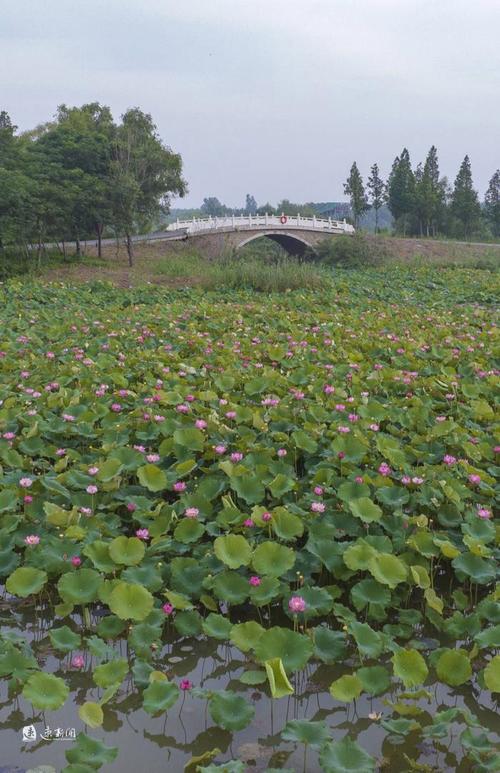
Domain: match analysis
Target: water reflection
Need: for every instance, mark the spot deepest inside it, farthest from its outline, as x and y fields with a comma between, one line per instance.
x=169, y=741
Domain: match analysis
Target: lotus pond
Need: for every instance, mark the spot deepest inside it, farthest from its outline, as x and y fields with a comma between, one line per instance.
x=244, y=532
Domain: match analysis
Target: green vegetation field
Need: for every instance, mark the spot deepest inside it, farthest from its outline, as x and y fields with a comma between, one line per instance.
x=273, y=512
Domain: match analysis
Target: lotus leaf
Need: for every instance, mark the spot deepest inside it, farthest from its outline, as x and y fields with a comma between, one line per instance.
x=45, y=691
x=230, y=711
x=25, y=581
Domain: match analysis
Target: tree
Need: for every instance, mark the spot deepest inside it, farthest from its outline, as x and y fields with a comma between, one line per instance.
x=464, y=200
x=430, y=194
x=250, y=205
x=144, y=172
x=492, y=203
x=212, y=207
x=290, y=208
x=354, y=188
x=401, y=191
x=376, y=187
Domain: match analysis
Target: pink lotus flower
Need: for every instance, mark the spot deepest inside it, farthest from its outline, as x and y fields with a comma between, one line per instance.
x=152, y=458
x=384, y=470
x=282, y=452
x=200, y=424
x=93, y=470
x=61, y=452
x=28, y=499
x=249, y=523
x=340, y=407
x=32, y=539
x=374, y=427
x=142, y=534
x=483, y=512
x=91, y=489
x=185, y=684
x=318, y=490
x=179, y=486
x=236, y=456
x=168, y=608
x=358, y=479
x=475, y=479
x=297, y=604
x=255, y=581
x=77, y=661
x=76, y=560
x=191, y=512
x=318, y=507
x=25, y=482
x=449, y=459
x=131, y=507
x=85, y=511
x=220, y=449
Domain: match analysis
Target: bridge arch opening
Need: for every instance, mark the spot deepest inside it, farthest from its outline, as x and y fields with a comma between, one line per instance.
x=291, y=244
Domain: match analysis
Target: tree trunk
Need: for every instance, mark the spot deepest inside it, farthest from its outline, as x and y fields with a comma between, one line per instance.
x=64, y=248
x=130, y=250
x=99, y=228
x=78, y=250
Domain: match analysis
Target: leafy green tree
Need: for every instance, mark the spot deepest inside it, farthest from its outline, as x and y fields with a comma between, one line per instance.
x=401, y=191
x=290, y=208
x=250, y=205
x=354, y=188
x=430, y=194
x=376, y=186
x=212, y=207
x=465, y=206
x=492, y=203
x=144, y=173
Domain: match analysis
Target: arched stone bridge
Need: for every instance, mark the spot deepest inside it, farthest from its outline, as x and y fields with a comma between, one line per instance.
x=296, y=234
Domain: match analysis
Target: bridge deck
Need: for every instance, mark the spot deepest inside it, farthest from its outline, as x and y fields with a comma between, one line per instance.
x=262, y=223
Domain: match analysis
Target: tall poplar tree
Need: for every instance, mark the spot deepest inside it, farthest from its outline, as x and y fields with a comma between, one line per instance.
x=401, y=191
x=464, y=200
x=376, y=187
x=492, y=203
x=354, y=188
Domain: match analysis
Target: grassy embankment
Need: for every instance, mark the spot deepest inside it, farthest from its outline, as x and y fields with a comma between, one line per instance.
x=261, y=266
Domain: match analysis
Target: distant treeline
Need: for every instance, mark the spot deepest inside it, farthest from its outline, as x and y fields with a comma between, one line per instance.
x=423, y=203
x=82, y=175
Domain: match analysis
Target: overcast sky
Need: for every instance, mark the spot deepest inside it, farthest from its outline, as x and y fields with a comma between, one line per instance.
x=271, y=97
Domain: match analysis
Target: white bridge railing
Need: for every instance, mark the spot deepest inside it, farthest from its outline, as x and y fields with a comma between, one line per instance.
x=245, y=222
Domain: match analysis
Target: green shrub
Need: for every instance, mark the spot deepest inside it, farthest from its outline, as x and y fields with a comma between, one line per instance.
x=348, y=252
